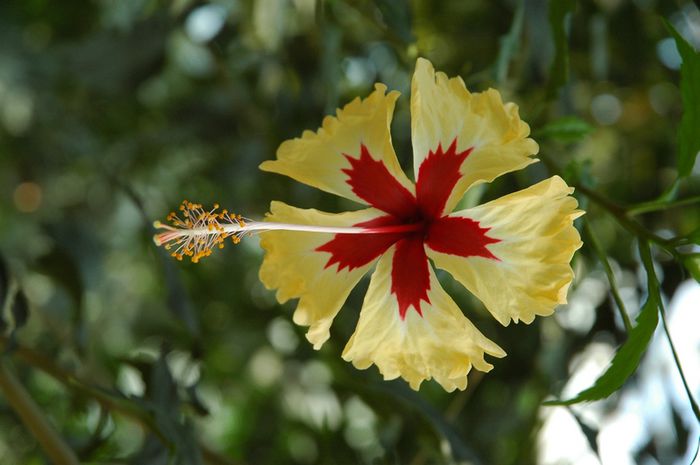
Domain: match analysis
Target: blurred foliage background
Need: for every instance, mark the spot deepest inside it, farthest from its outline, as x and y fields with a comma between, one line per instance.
x=112, y=112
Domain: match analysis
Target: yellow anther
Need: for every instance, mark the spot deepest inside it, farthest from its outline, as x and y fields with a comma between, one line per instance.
x=194, y=232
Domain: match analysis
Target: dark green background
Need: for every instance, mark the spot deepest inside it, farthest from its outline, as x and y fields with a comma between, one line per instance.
x=111, y=112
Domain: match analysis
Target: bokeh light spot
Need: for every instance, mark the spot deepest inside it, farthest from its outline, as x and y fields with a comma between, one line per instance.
x=265, y=367
x=606, y=109
x=663, y=97
x=281, y=335
x=205, y=22
x=16, y=110
x=27, y=197
x=668, y=53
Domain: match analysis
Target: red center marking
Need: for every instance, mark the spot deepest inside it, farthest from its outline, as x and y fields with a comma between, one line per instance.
x=372, y=182
x=351, y=252
x=410, y=274
x=459, y=236
x=437, y=176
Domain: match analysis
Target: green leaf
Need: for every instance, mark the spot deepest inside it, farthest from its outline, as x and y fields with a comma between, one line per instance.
x=559, y=10
x=692, y=264
x=566, y=129
x=627, y=357
x=688, y=134
x=694, y=236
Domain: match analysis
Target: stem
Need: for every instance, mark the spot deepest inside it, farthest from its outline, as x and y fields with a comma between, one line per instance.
x=691, y=399
x=653, y=206
x=620, y=214
x=603, y=258
x=623, y=217
x=33, y=418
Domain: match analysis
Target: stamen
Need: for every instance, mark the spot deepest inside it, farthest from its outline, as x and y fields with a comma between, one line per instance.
x=198, y=231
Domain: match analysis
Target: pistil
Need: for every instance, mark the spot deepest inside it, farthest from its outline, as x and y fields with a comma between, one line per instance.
x=197, y=233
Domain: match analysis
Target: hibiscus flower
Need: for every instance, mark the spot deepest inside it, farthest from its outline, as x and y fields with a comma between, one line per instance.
x=512, y=253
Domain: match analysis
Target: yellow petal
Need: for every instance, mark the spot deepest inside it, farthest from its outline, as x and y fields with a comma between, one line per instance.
x=442, y=344
x=442, y=110
x=537, y=241
x=318, y=158
x=293, y=266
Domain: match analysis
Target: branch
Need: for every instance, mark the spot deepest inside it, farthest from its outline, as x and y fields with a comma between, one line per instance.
x=33, y=418
x=655, y=205
x=621, y=214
